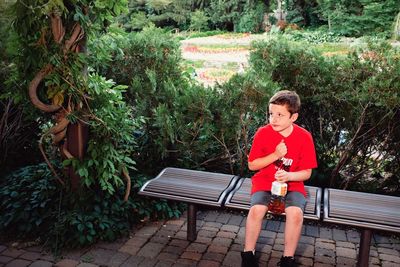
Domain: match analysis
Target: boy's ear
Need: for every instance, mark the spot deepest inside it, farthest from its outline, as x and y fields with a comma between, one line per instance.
x=294, y=117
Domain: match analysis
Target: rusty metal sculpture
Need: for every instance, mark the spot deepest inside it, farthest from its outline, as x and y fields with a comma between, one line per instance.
x=70, y=138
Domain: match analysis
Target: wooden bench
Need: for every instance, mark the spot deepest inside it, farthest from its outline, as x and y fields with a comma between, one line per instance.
x=239, y=198
x=211, y=189
x=193, y=187
x=366, y=211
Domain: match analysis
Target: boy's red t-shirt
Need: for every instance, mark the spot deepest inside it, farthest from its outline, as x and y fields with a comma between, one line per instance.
x=300, y=156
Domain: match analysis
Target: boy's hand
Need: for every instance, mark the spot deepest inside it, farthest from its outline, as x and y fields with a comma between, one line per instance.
x=281, y=149
x=282, y=176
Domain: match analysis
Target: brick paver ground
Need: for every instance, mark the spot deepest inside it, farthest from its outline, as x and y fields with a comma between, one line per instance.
x=219, y=242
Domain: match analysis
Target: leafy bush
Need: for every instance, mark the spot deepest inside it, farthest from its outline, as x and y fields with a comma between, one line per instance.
x=350, y=104
x=36, y=207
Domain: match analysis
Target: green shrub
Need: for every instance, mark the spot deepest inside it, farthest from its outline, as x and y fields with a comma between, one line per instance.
x=33, y=205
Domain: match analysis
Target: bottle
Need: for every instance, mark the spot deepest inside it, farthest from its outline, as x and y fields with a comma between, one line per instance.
x=278, y=196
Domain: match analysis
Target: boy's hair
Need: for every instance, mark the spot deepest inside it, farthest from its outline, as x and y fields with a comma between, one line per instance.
x=288, y=98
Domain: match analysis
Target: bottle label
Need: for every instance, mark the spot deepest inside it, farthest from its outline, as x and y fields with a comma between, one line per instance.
x=279, y=189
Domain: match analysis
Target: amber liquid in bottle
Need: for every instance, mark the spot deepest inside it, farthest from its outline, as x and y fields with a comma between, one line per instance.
x=278, y=196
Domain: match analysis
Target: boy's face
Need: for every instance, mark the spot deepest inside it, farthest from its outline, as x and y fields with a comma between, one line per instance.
x=280, y=119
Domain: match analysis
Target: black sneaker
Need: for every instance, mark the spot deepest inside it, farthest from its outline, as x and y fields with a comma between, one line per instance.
x=287, y=262
x=249, y=259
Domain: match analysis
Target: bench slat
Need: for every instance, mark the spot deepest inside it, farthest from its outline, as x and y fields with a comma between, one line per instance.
x=362, y=209
x=196, y=187
x=239, y=198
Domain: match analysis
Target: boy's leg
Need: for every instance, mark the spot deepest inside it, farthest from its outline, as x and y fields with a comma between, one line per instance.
x=253, y=226
x=295, y=205
x=293, y=226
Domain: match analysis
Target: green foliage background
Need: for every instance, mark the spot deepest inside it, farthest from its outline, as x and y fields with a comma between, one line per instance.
x=146, y=113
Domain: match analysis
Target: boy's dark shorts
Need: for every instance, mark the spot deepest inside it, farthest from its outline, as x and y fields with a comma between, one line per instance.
x=295, y=199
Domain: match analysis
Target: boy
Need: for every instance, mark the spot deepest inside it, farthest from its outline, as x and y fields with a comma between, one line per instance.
x=281, y=151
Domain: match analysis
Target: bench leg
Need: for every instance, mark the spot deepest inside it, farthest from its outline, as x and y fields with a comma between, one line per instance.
x=365, y=243
x=191, y=222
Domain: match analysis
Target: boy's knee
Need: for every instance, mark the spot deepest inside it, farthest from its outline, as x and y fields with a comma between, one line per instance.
x=257, y=212
x=294, y=214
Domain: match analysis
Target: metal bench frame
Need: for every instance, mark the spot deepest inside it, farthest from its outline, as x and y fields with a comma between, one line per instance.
x=218, y=190
x=354, y=209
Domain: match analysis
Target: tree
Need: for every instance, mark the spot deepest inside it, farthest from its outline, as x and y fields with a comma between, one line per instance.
x=198, y=21
x=53, y=35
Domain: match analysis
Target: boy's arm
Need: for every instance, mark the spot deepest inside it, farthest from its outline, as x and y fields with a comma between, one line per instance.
x=263, y=162
x=299, y=176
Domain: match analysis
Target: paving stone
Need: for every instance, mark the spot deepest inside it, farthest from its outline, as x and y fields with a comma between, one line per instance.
x=204, y=240
x=235, y=220
x=150, y=250
x=325, y=245
x=325, y=259
x=205, y=233
x=147, y=231
x=165, y=256
x=236, y=247
x=272, y=226
x=160, y=239
x=5, y=259
x=304, y=261
x=18, y=263
x=208, y=263
x=319, y=264
x=267, y=242
x=181, y=235
x=117, y=259
x=67, y=263
x=136, y=241
x=164, y=264
x=41, y=263
x=194, y=256
x=197, y=247
x=391, y=258
x=346, y=252
x=133, y=261
x=212, y=256
x=178, y=222
x=74, y=254
x=305, y=250
x=233, y=258
x=2, y=248
x=222, y=241
x=211, y=216
x=263, y=248
x=341, y=261
x=217, y=249
x=307, y=240
x=345, y=244
x=223, y=218
x=389, y=251
x=12, y=252
x=173, y=250
x=230, y=228
x=312, y=230
x=185, y=262
x=325, y=252
x=325, y=233
x=100, y=256
x=339, y=235
x=112, y=245
x=31, y=256
x=179, y=243
x=130, y=249
x=86, y=264
x=224, y=234
x=268, y=234
x=389, y=264
x=353, y=236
